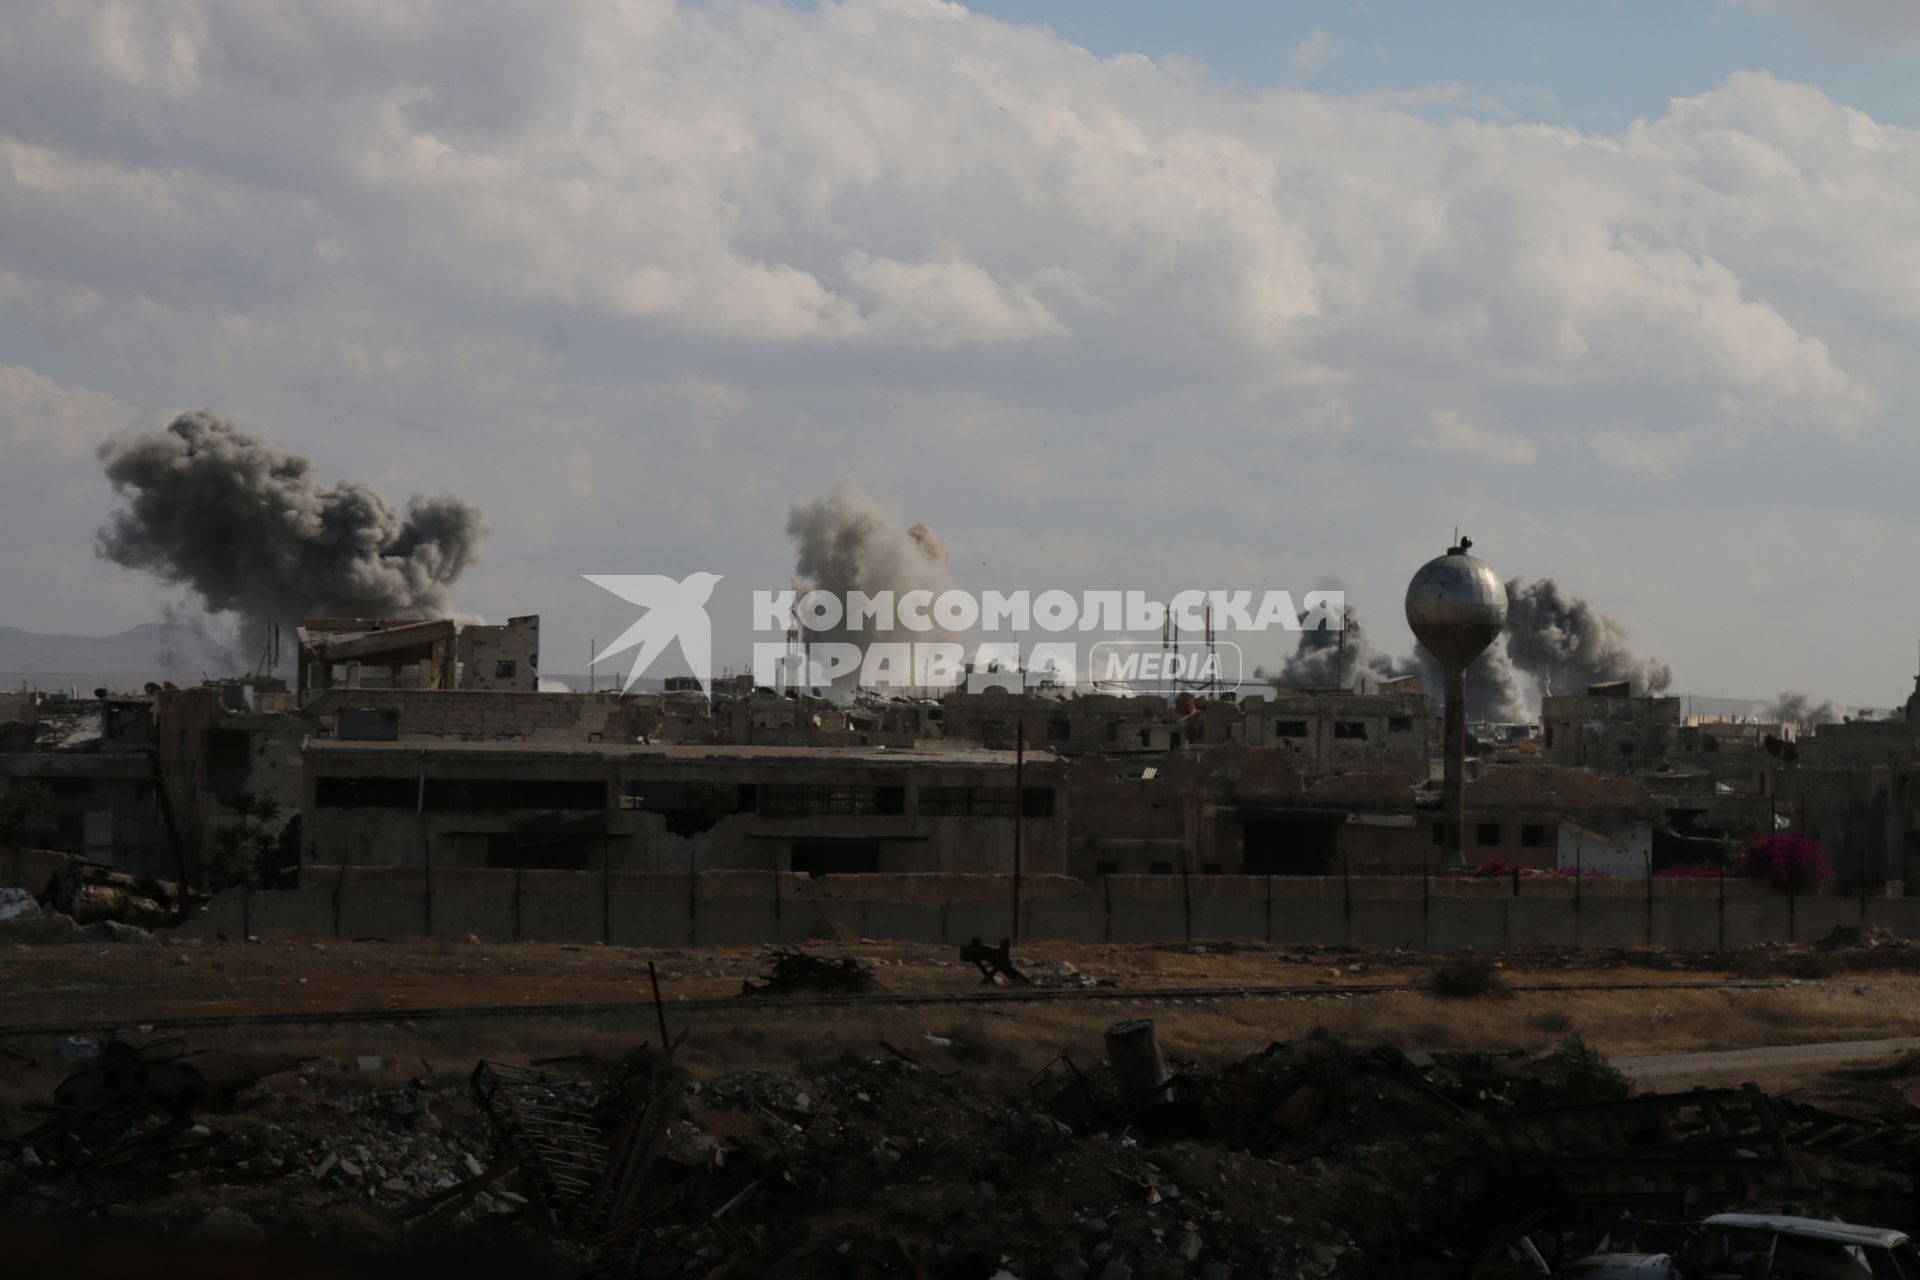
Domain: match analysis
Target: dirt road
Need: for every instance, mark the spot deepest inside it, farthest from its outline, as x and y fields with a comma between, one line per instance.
x=1670, y=1071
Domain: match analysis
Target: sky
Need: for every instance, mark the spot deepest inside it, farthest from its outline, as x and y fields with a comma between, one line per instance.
x=1113, y=295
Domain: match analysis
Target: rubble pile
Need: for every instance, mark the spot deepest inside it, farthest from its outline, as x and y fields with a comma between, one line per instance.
x=1311, y=1158
x=90, y=902
x=791, y=971
x=25, y=922
x=90, y=892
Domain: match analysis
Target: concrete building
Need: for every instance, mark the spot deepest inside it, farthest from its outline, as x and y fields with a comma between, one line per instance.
x=18, y=706
x=222, y=741
x=764, y=719
x=1333, y=730
x=1097, y=722
x=1241, y=811
x=435, y=653
x=1200, y=813
x=1607, y=730
x=622, y=806
x=104, y=804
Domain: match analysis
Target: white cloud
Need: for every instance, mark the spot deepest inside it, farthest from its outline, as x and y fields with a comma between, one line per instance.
x=885, y=172
x=38, y=413
x=1636, y=449
x=947, y=304
x=1452, y=433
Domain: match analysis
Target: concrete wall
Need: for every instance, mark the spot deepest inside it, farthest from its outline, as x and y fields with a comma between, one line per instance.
x=745, y=908
x=507, y=716
x=29, y=869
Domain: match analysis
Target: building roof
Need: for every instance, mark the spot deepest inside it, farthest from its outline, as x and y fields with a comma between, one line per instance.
x=682, y=751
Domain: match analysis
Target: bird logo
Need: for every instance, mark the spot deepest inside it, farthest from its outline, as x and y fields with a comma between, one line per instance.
x=675, y=609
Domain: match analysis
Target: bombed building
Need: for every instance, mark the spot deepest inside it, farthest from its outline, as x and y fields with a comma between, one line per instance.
x=403, y=761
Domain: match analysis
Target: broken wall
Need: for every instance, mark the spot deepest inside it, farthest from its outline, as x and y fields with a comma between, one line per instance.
x=499, y=658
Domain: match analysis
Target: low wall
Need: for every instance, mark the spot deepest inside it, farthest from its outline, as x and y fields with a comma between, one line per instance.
x=29, y=869
x=737, y=908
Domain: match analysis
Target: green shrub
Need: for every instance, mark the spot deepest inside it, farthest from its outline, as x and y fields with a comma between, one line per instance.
x=20, y=804
x=1591, y=1075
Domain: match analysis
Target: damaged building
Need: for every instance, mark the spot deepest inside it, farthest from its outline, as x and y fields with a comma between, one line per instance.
x=623, y=806
x=95, y=763
x=427, y=750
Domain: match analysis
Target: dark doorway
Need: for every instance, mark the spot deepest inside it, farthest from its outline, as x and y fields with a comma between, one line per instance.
x=229, y=761
x=836, y=857
x=1287, y=847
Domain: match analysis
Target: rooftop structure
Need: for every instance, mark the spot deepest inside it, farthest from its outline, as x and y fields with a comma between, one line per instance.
x=437, y=653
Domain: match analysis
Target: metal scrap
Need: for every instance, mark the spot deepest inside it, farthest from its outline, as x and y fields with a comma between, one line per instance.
x=994, y=963
x=130, y=1112
x=796, y=972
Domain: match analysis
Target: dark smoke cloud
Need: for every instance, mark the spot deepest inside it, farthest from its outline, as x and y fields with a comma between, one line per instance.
x=1493, y=690
x=1320, y=662
x=847, y=541
x=245, y=526
x=1797, y=708
x=1560, y=640
x=1566, y=644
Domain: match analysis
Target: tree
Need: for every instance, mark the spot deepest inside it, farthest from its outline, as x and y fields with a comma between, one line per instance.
x=22, y=802
x=247, y=851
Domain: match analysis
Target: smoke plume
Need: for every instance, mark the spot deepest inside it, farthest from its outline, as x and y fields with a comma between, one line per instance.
x=847, y=541
x=1566, y=644
x=1560, y=640
x=1320, y=661
x=1797, y=708
x=1493, y=690
x=244, y=525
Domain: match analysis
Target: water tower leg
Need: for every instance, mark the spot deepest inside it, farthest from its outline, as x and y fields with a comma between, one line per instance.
x=1454, y=816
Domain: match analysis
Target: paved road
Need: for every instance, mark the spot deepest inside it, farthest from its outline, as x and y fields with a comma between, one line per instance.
x=1678, y=1070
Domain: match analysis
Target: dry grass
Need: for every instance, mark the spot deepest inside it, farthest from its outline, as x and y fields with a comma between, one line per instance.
x=1001, y=1045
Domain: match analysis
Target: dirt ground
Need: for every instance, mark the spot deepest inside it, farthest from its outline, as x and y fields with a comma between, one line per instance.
x=52, y=985
x=878, y=1130
x=60, y=987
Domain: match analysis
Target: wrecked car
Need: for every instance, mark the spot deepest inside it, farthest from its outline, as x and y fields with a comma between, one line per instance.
x=1755, y=1246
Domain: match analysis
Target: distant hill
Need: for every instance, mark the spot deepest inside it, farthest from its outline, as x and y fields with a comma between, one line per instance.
x=126, y=660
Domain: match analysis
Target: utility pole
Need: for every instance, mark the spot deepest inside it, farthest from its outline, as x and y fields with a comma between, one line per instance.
x=1019, y=811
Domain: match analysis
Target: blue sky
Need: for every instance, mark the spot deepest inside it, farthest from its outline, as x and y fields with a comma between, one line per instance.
x=1595, y=64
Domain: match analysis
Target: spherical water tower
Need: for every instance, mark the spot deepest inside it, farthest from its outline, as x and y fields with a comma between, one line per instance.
x=1456, y=606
